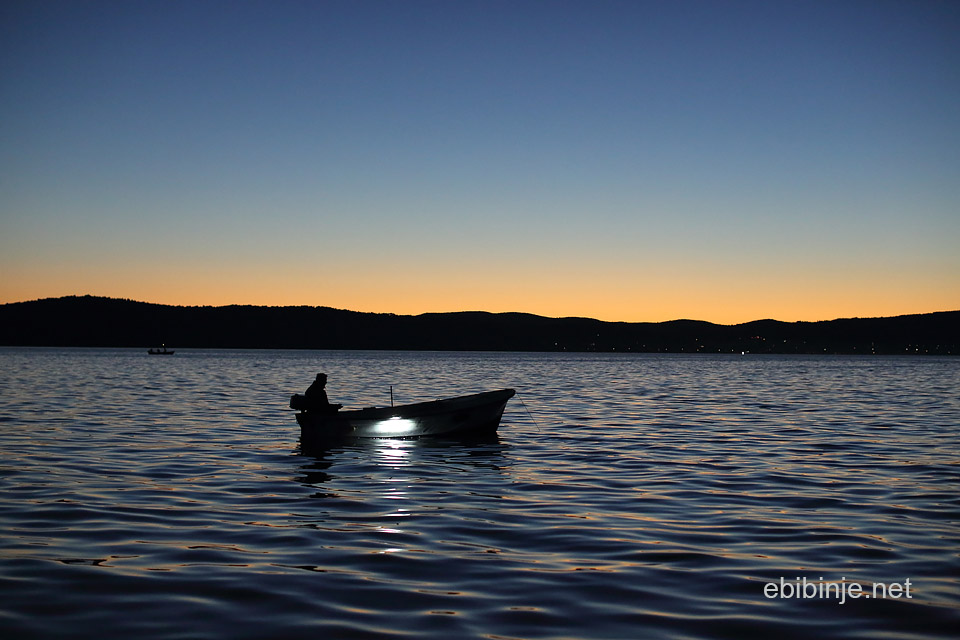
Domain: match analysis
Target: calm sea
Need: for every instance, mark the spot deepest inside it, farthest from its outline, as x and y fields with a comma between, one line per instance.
x=627, y=496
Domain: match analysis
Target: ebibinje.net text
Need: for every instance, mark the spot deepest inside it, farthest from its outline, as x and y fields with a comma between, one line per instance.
x=840, y=590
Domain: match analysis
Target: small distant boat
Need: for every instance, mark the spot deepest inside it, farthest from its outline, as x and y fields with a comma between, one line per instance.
x=163, y=351
x=464, y=416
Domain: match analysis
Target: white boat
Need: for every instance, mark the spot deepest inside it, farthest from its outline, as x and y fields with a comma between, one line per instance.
x=160, y=352
x=464, y=416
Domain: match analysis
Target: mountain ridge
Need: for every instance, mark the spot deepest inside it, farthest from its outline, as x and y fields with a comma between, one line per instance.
x=96, y=321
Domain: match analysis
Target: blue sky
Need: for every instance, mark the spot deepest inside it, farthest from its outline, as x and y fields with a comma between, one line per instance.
x=624, y=160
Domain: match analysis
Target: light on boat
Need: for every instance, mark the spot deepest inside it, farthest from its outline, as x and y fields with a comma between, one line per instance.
x=395, y=426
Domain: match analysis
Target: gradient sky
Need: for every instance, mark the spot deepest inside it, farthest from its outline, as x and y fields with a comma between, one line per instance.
x=638, y=161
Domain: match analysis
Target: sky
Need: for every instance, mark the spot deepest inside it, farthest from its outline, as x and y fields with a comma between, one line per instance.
x=717, y=160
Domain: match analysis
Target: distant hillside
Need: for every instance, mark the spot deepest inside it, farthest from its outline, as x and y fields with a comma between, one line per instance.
x=102, y=322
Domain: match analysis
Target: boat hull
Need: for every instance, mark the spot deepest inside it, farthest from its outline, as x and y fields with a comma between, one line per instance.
x=466, y=416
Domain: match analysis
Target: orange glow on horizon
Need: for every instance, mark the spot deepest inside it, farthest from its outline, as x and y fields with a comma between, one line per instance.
x=608, y=286
x=685, y=297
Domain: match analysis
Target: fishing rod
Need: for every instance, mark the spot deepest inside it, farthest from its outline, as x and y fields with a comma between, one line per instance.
x=524, y=404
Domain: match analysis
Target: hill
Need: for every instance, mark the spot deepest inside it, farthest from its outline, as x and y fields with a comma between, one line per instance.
x=110, y=322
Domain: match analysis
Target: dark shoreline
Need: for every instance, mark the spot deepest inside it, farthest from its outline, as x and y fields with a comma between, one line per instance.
x=89, y=321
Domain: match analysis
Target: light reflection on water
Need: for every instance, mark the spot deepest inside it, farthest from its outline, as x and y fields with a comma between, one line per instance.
x=654, y=496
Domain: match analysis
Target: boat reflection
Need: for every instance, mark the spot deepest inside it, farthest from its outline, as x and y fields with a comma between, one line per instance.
x=324, y=450
x=386, y=496
x=374, y=458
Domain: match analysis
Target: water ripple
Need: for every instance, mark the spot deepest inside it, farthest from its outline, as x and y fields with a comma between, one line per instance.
x=629, y=496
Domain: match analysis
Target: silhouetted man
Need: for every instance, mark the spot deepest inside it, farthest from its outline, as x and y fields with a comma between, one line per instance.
x=317, y=396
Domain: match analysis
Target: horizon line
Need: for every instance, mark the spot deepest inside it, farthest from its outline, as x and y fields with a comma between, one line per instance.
x=389, y=313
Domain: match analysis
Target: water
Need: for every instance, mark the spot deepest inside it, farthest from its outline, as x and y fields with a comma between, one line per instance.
x=653, y=497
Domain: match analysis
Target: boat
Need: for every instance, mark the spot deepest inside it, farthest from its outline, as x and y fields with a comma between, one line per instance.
x=163, y=351
x=473, y=415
